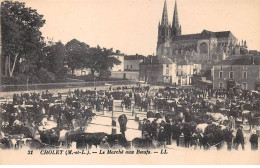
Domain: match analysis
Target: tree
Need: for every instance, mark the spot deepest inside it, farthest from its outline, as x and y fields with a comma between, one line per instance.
x=21, y=36
x=55, y=57
x=75, y=53
x=99, y=59
x=80, y=55
x=55, y=60
x=104, y=74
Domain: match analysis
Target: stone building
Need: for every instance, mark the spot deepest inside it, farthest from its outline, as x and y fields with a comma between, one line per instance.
x=158, y=70
x=206, y=45
x=185, y=72
x=131, y=62
x=243, y=73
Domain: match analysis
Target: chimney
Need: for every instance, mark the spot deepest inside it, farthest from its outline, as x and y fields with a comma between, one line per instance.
x=151, y=60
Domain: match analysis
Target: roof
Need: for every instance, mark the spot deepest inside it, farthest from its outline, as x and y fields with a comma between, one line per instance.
x=156, y=60
x=184, y=62
x=223, y=34
x=203, y=34
x=249, y=60
x=186, y=37
x=134, y=57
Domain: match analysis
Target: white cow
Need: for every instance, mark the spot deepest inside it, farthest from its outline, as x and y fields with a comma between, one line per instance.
x=201, y=128
x=217, y=116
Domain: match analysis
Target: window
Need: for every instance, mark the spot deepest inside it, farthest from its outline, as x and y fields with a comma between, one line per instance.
x=231, y=75
x=180, y=72
x=244, y=86
x=244, y=67
x=167, y=71
x=221, y=74
x=167, y=65
x=126, y=66
x=220, y=85
x=131, y=66
x=244, y=74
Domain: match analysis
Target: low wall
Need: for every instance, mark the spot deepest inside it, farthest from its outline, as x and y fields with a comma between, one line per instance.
x=130, y=75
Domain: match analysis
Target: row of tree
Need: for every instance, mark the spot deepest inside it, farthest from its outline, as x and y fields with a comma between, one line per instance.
x=27, y=55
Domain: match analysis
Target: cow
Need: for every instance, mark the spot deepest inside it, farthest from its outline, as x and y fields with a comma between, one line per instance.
x=217, y=116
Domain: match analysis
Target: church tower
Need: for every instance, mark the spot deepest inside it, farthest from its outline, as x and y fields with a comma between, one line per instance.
x=176, y=28
x=164, y=29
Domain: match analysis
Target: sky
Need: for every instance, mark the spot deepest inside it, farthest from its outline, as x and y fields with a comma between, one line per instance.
x=131, y=26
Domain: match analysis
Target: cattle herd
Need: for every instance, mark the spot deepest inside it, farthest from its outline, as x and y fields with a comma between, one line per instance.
x=186, y=117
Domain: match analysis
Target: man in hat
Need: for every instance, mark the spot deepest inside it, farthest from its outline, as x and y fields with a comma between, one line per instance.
x=240, y=138
x=162, y=137
x=254, y=140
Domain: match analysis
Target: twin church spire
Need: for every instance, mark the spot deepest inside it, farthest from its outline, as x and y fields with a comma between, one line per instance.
x=165, y=30
x=165, y=15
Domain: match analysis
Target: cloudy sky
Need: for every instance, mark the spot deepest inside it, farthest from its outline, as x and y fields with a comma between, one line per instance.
x=132, y=25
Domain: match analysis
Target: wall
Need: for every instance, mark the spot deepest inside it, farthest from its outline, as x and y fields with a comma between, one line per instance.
x=127, y=74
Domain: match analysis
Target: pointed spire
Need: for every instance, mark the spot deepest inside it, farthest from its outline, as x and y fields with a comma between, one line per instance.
x=165, y=14
x=175, y=21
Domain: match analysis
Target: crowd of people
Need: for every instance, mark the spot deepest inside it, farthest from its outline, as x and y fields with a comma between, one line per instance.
x=191, y=117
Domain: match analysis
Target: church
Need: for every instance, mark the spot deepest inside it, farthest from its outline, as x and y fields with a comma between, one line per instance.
x=204, y=46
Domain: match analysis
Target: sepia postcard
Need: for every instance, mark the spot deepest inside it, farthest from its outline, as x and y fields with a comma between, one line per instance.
x=130, y=82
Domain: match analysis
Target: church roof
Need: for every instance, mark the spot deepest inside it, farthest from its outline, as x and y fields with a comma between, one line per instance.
x=186, y=37
x=202, y=35
x=223, y=34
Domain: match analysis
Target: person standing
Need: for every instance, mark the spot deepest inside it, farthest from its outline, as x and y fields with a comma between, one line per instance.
x=168, y=132
x=240, y=138
x=254, y=140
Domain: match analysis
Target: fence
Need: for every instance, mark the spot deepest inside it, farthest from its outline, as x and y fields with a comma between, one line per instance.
x=31, y=87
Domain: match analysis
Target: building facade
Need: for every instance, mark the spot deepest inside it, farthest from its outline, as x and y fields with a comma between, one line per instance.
x=158, y=70
x=206, y=45
x=131, y=62
x=185, y=72
x=243, y=73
